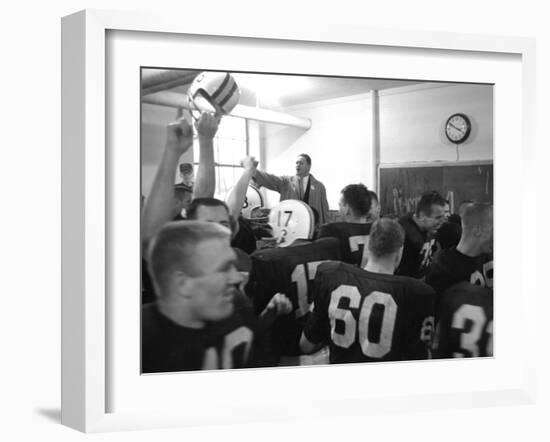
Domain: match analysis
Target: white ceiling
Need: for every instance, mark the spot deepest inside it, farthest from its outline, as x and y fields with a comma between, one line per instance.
x=277, y=91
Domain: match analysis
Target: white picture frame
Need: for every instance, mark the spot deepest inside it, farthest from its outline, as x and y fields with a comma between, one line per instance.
x=87, y=207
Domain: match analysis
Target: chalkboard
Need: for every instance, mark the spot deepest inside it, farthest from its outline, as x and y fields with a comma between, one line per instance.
x=401, y=186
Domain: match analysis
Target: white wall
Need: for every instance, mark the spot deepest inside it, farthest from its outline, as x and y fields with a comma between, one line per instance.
x=412, y=122
x=339, y=143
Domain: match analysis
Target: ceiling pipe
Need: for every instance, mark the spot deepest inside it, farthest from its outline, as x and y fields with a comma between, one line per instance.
x=173, y=99
x=161, y=81
x=155, y=77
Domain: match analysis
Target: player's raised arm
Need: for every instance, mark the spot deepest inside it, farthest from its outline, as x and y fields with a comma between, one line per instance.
x=235, y=200
x=158, y=206
x=205, y=184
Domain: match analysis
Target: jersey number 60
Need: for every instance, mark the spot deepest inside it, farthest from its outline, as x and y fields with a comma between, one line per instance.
x=336, y=314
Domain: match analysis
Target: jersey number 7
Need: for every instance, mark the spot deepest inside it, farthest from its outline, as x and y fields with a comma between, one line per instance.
x=360, y=243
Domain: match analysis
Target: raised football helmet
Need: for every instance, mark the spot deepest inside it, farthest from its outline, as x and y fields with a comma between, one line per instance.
x=213, y=92
x=291, y=220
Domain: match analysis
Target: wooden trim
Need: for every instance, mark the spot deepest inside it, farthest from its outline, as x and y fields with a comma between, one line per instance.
x=436, y=164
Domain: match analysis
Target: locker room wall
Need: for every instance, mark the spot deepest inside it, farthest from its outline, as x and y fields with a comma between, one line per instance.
x=412, y=122
x=339, y=143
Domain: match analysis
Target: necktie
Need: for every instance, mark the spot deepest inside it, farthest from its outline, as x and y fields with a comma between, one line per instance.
x=300, y=188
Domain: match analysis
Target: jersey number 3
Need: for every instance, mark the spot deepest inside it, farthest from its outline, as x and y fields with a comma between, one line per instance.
x=471, y=340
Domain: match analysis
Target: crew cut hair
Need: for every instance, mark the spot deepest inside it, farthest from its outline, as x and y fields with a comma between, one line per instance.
x=476, y=215
x=357, y=196
x=427, y=200
x=208, y=202
x=174, y=246
x=386, y=237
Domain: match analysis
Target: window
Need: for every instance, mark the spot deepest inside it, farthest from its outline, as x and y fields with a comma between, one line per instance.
x=230, y=147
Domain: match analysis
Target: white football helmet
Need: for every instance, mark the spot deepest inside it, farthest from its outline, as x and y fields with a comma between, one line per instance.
x=252, y=201
x=213, y=92
x=291, y=220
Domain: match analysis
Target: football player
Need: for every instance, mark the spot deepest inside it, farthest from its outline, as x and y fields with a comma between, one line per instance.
x=159, y=205
x=420, y=229
x=200, y=209
x=289, y=268
x=196, y=279
x=471, y=260
x=448, y=235
x=164, y=202
x=353, y=230
x=201, y=319
x=211, y=95
x=465, y=322
x=238, y=201
x=371, y=314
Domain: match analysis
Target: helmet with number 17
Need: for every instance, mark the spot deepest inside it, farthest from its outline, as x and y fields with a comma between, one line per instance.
x=291, y=220
x=213, y=92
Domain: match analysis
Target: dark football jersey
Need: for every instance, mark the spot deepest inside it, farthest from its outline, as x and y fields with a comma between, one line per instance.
x=245, y=238
x=450, y=267
x=366, y=316
x=417, y=251
x=448, y=235
x=229, y=343
x=354, y=240
x=465, y=326
x=289, y=270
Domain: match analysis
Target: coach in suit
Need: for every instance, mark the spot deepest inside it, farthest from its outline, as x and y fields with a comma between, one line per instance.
x=302, y=186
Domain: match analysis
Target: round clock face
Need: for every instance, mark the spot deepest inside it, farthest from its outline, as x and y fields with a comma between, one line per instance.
x=457, y=128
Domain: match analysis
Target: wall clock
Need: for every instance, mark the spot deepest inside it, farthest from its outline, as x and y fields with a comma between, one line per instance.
x=458, y=128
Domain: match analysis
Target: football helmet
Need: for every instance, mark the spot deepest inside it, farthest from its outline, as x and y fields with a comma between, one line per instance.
x=252, y=202
x=213, y=92
x=291, y=220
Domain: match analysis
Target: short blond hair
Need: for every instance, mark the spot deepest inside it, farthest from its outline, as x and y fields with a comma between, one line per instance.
x=386, y=237
x=174, y=247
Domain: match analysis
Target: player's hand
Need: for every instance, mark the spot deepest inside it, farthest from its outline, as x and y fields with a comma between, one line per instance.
x=207, y=125
x=249, y=163
x=242, y=284
x=278, y=305
x=179, y=136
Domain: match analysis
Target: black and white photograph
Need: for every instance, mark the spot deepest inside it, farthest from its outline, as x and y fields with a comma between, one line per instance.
x=275, y=221
x=296, y=220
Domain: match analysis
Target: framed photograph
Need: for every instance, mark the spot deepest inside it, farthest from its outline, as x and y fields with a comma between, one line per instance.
x=114, y=116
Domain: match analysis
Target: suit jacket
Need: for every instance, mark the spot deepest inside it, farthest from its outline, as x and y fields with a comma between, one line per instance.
x=287, y=186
